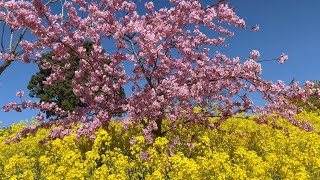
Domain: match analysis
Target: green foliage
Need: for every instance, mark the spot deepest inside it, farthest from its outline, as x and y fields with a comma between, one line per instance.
x=312, y=104
x=60, y=92
x=314, y=100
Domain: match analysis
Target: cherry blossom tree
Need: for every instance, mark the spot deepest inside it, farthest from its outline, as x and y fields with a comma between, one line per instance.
x=163, y=54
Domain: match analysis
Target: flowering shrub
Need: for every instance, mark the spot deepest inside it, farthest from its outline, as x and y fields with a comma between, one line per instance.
x=239, y=149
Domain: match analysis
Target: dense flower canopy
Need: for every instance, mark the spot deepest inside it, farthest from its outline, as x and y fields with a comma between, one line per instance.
x=163, y=54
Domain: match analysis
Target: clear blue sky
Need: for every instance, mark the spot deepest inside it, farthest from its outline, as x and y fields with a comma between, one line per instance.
x=286, y=26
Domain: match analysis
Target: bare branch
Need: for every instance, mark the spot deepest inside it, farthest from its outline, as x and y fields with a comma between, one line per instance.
x=62, y=7
x=19, y=40
x=51, y=1
x=11, y=39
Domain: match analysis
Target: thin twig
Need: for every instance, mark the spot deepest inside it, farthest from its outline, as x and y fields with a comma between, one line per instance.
x=11, y=39
x=19, y=39
x=51, y=1
x=2, y=46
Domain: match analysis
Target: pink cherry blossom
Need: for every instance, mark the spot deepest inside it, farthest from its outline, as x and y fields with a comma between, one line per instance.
x=255, y=54
x=40, y=117
x=149, y=6
x=256, y=28
x=20, y=94
x=144, y=155
x=283, y=58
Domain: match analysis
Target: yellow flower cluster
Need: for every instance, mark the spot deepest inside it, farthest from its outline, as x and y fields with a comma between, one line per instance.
x=239, y=149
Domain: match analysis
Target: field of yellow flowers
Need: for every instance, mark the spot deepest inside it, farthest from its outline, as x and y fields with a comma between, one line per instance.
x=240, y=149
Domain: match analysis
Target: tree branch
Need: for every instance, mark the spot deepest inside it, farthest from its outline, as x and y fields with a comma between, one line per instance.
x=138, y=60
x=4, y=66
x=2, y=34
x=19, y=40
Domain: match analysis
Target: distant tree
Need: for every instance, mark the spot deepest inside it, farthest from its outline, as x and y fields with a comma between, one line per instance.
x=60, y=92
